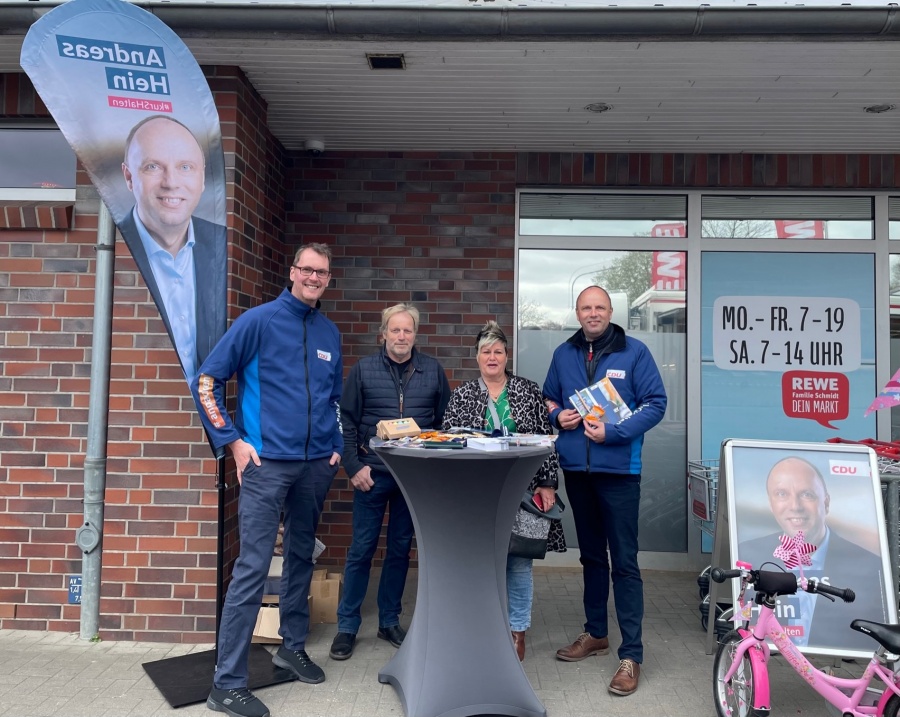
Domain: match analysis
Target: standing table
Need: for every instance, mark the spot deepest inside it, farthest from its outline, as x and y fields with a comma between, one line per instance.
x=458, y=659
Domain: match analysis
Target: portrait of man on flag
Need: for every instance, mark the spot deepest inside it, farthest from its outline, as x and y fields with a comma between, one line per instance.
x=134, y=105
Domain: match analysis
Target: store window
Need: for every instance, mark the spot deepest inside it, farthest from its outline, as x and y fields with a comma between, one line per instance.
x=785, y=329
x=602, y=215
x=796, y=217
x=894, y=218
x=788, y=346
x=895, y=334
x=35, y=159
x=647, y=289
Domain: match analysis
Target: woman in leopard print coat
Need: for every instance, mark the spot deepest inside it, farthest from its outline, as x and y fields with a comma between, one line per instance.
x=519, y=406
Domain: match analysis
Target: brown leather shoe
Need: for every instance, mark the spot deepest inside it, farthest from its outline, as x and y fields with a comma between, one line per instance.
x=519, y=642
x=625, y=681
x=584, y=646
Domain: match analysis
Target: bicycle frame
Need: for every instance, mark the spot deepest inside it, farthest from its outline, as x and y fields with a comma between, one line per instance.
x=829, y=687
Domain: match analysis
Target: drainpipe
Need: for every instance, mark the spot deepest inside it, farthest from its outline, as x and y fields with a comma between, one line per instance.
x=89, y=537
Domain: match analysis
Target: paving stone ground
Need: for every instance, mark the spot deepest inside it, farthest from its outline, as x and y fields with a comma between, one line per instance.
x=47, y=674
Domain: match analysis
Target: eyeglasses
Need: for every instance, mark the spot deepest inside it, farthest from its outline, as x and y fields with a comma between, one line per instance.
x=308, y=270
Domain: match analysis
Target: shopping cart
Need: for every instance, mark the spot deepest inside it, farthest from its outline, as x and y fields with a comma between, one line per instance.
x=703, y=480
x=703, y=484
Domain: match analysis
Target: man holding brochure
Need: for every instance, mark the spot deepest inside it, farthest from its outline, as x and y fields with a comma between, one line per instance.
x=601, y=462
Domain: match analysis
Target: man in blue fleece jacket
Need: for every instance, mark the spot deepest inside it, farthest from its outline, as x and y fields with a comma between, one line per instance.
x=601, y=465
x=286, y=442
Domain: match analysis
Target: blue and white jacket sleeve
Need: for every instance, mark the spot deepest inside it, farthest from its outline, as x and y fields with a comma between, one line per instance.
x=208, y=385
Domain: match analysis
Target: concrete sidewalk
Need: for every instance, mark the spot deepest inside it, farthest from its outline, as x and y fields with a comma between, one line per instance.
x=59, y=675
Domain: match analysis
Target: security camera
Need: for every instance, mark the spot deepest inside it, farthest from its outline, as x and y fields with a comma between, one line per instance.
x=314, y=147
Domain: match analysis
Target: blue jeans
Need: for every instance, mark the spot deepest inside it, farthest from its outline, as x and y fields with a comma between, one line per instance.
x=520, y=591
x=368, y=515
x=299, y=489
x=605, y=508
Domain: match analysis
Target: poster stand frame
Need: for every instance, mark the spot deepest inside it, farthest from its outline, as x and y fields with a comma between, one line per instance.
x=721, y=555
x=834, y=461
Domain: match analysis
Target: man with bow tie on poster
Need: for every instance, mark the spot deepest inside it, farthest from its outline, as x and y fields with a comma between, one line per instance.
x=800, y=502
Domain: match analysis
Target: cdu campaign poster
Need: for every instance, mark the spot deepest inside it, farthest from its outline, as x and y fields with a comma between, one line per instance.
x=132, y=102
x=829, y=497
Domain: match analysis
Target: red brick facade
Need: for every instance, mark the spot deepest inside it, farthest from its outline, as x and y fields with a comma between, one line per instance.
x=159, y=545
x=436, y=229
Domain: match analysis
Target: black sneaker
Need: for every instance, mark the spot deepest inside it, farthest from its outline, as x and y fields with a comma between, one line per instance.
x=298, y=662
x=393, y=634
x=342, y=647
x=237, y=703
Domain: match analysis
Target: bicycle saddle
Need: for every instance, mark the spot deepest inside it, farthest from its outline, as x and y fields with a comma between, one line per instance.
x=887, y=635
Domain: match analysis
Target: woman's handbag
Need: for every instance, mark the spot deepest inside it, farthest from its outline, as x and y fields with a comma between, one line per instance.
x=531, y=528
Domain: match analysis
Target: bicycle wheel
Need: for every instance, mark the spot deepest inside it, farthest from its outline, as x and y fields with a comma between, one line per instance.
x=734, y=699
x=892, y=707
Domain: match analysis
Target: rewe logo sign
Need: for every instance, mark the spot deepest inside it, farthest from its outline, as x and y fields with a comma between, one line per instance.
x=668, y=271
x=855, y=469
x=800, y=229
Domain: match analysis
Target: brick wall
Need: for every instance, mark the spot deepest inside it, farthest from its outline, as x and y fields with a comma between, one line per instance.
x=161, y=503
x=431, y=228
x=45, y=316
x=435, y=230
x=722, y=171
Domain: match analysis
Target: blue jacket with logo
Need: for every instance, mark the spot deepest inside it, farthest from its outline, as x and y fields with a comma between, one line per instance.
x=632, y=370
x=287, y=357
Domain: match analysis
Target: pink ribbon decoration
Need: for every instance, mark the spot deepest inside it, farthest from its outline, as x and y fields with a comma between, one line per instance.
x=889, y=396
x=794, y=551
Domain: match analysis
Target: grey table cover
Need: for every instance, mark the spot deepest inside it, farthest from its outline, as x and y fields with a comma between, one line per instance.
x=458, y=659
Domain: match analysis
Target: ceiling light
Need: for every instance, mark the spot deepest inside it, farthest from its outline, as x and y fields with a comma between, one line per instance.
x=879, y=109
x=393, y=61
x=598, y=107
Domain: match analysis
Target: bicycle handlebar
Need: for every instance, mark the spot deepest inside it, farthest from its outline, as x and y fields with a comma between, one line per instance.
x=845, y=594
x=812, y=586
x=720, y=576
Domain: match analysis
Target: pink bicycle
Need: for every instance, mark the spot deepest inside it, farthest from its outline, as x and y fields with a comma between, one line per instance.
x=741, y=676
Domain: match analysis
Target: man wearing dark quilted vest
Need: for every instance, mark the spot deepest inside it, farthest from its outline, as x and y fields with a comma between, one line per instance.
x=397, y=382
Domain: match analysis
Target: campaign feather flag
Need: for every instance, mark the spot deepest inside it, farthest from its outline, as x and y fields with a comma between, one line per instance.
x=134, y=105
x=889, y=396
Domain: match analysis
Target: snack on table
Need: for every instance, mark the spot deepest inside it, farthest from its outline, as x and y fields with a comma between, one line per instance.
x=439, y=437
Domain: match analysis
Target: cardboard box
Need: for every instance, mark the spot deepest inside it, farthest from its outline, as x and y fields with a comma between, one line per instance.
x=325, y=594
x=273, y=581
x=268, y=622
x=276, y=566
x=398, y=428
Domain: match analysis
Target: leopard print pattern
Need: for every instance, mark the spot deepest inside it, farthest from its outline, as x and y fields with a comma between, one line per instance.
x=467, y=409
